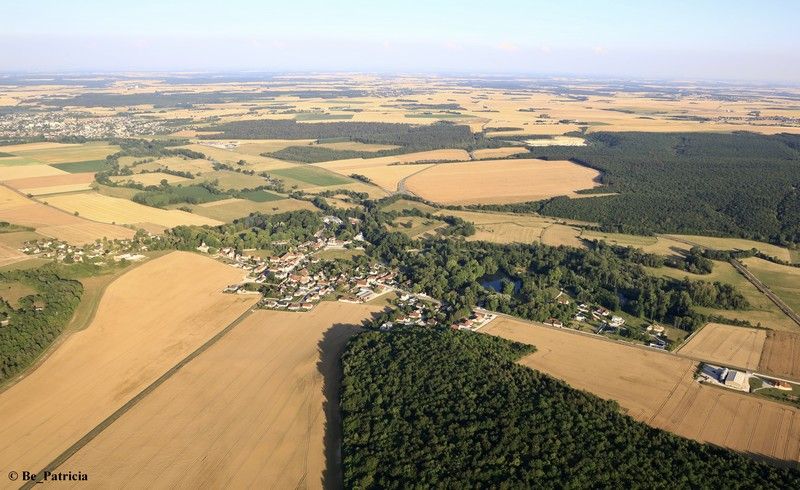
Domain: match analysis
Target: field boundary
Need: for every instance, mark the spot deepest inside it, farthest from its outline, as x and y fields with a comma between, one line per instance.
x=99, y=428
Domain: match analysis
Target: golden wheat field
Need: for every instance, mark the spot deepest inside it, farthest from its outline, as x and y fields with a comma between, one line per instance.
x=258, y=406
x=781, y=355
x=726, y=345
x=99, y=207
x=500, y=181
x=658, y=388
x=55, y=223
x=147, y=320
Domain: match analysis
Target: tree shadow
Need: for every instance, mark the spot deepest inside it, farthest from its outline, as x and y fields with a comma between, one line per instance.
x=330, y=348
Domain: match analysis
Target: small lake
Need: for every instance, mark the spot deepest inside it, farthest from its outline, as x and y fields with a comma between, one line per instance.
x=495, y=281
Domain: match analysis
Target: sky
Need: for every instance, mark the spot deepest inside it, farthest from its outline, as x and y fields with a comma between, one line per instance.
x=676, y=39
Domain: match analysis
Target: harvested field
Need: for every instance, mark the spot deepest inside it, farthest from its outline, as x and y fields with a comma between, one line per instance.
x=557, y=141
x=557, y=234
x=658, y=388
x=28, y=171
x=32, y=183
x=726, y=345
x=503, y=228
x=415, y=226
x=53, y=222
x=781, y=355
x=134, y=337
x=106, y=209
x=380, y=173
x=178, y=164
x=505, y=152
x=64, y=153
x=448, y=155
x=153, y=178
x=253, y=408
x=500, y=181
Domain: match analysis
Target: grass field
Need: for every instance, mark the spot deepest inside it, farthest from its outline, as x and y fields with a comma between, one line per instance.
x=134, y=337
x=781, y=253
x=781, y=355
x=783, y=280
x=13, y=291
x=402, y=204
x=106, y=209
x=500, y=181
x=228, y=180
x=230, y=209
x=415, y=226
x=762, y=310
x=261, y=196
x=495, y=153
x=153, y=178
x=658, y=388
x=179, y=164
x=307, y=175
x=258, y=406
x=504, y=227
x=727, y=345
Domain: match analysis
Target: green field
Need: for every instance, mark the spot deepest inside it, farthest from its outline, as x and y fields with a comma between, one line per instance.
x=310, y=175
x=261, y=196
x=79, y=167
x=15, y=161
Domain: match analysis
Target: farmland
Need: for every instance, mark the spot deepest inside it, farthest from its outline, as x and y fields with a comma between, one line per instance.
x=500, y=181
x=230, y=209
x=257, y=406
x=726, y=345
x=134, y=337
x=659, y=389
x=781, y=355
x=783, y=280
x=49, y=221
x=106, y=209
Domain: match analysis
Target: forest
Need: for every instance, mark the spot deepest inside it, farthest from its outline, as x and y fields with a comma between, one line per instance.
x=452, y=271
x=411, y=137
x=740, y=184
x=37, y=319
x=435, y=408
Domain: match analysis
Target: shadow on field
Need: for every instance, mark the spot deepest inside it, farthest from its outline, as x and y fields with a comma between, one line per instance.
x=329, y=366
x=331, y=347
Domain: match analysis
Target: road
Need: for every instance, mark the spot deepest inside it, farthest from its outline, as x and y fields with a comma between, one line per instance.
x=764, y=289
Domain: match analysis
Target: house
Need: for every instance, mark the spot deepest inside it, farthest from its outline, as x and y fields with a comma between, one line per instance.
x=616, y=321
x=554, y=322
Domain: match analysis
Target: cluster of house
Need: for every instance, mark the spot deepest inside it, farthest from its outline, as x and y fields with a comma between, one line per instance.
x=476, y=320
x=295, y=285
x=97, y=253
x=52, y=124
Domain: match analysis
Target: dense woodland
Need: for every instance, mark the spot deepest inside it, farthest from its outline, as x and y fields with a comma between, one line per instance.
x=739, y=184
x=411, y=137
x=452, y=270
x=37, y=319
x=436, y=408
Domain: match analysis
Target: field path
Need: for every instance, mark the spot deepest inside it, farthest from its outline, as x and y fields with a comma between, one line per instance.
x=96, y=430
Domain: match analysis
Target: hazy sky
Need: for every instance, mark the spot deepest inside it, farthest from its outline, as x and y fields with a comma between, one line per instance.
x=724, y=39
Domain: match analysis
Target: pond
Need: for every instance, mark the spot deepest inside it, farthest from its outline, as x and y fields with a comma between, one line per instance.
x=495, y=281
